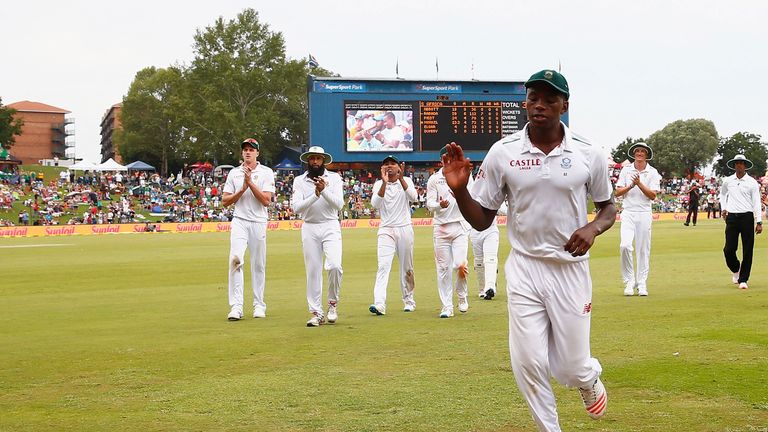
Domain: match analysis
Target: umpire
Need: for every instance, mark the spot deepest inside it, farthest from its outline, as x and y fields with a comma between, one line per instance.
x=741, y=209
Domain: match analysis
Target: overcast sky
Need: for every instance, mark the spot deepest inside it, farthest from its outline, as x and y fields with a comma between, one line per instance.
x=633, y=67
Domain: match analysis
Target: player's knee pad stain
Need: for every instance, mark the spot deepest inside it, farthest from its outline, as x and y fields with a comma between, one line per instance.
x=236, y=263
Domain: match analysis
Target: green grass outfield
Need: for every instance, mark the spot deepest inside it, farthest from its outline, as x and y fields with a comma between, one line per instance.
x=129, y=332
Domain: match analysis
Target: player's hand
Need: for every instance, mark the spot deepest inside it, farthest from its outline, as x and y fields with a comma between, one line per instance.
x=581, y=240
x=401, y=171
x=444, y=202
x=636, y=179
x=456, y=168
x=319, y=185
x=384, y=175
x=758, y=228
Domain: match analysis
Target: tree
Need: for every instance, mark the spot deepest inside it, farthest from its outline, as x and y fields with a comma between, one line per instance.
x=9, y=127
x=240, y=85
x=619, y=154
x=742, y=143
x=152, y=130
x=683, y=146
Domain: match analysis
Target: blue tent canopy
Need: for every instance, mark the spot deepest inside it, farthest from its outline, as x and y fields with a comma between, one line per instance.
x=287, y=165
x=140, y=166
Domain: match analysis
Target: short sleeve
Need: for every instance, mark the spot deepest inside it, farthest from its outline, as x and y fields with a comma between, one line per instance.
x=489, y=188
x=599, y=183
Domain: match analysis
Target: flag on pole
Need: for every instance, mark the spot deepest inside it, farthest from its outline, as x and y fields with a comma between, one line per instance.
x=397, y=67
x=437, y=66
x=472, y=69
x=559, y=66
x=313, y=61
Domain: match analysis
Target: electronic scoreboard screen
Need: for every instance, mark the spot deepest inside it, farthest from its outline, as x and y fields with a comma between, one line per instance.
x=385, y=126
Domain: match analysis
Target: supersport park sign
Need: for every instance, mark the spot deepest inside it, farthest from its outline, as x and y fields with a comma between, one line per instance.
x=208, y=227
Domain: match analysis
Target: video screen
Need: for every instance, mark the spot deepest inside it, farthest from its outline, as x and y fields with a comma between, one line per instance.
x=379, y=126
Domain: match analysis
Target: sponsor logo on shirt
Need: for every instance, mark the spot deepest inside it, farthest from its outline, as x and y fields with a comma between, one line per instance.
x=525, y=164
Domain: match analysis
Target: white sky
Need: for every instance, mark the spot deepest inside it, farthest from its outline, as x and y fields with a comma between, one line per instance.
x=633, y=67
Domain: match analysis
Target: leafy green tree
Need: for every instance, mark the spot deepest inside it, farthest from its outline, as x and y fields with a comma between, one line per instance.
x=152, y=130
x=619, y=154
x=744, y=143
x=240, y=84
x=9, y=127
x=683, y=146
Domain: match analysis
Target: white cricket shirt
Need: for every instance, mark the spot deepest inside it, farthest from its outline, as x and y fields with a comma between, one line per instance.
x=635, y=200
x=437, y=189
x=394, y=207
x=318, y=209
x=248, y=207
x=546, y=194
x=741, y=195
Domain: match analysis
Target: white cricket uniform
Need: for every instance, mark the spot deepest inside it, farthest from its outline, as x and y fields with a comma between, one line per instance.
x=248, y=230
x=320, y=235
x=636, y=217
x=485, y=248
x=450, y=235
x=550, y=296
x=395, y=236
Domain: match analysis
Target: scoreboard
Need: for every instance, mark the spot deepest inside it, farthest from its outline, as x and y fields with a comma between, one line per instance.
x=361, y=120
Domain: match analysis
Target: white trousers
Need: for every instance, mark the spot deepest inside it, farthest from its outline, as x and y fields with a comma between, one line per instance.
x=549, y=306
x=635, y=227
x=451, y=244
x=322, y=240
x=485, y=248
x=391, y=241
x=253, y=236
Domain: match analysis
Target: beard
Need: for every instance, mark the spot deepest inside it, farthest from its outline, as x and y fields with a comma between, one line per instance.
x=313, y=172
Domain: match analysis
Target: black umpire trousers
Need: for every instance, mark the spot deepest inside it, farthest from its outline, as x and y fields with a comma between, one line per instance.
x=739, y=224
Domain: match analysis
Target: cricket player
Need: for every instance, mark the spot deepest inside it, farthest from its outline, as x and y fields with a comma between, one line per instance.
x=638, y=183
x=485, y=248
x=392, y=195
x=544, y=172
x=318, y=195
x=450, y=236
x=249, y=188
x=741, y=207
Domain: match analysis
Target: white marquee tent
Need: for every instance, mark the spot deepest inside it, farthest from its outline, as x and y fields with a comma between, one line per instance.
x=110, y=165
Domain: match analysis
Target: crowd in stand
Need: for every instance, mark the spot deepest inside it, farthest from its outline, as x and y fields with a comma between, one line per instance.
x=104, y=197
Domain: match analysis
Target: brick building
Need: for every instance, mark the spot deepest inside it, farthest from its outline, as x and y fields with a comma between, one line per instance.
x=44, y=134
x=109, y=124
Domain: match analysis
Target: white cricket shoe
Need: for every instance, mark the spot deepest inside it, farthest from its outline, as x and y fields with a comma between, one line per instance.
x=481, y=294
x=446, y=312
x=409, y=307
x=377, y=309
x=463, y=305
x=259, y=312
x=316, y=321
x=235, y=314
x=642, y=291
x=629, y=289
x=735, y=277
x=333, y=315
x=595, y=399
x=743, y=285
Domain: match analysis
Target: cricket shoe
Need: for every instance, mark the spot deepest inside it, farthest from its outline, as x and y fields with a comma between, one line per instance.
x=642, y=291
x=333, y=315
x=629, y=289
x=463, y=305
x=377, y=309
x=743, y=285
x=316, y=321
x=490, y=293
x=481, y=294
x=409, y=307
x=235, y=314
x=595, y=399
x=259, y=312
x=446, y=312
x=735, y=277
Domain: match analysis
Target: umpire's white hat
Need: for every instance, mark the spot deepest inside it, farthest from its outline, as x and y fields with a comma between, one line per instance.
x=739, y=158
x=316, y=150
